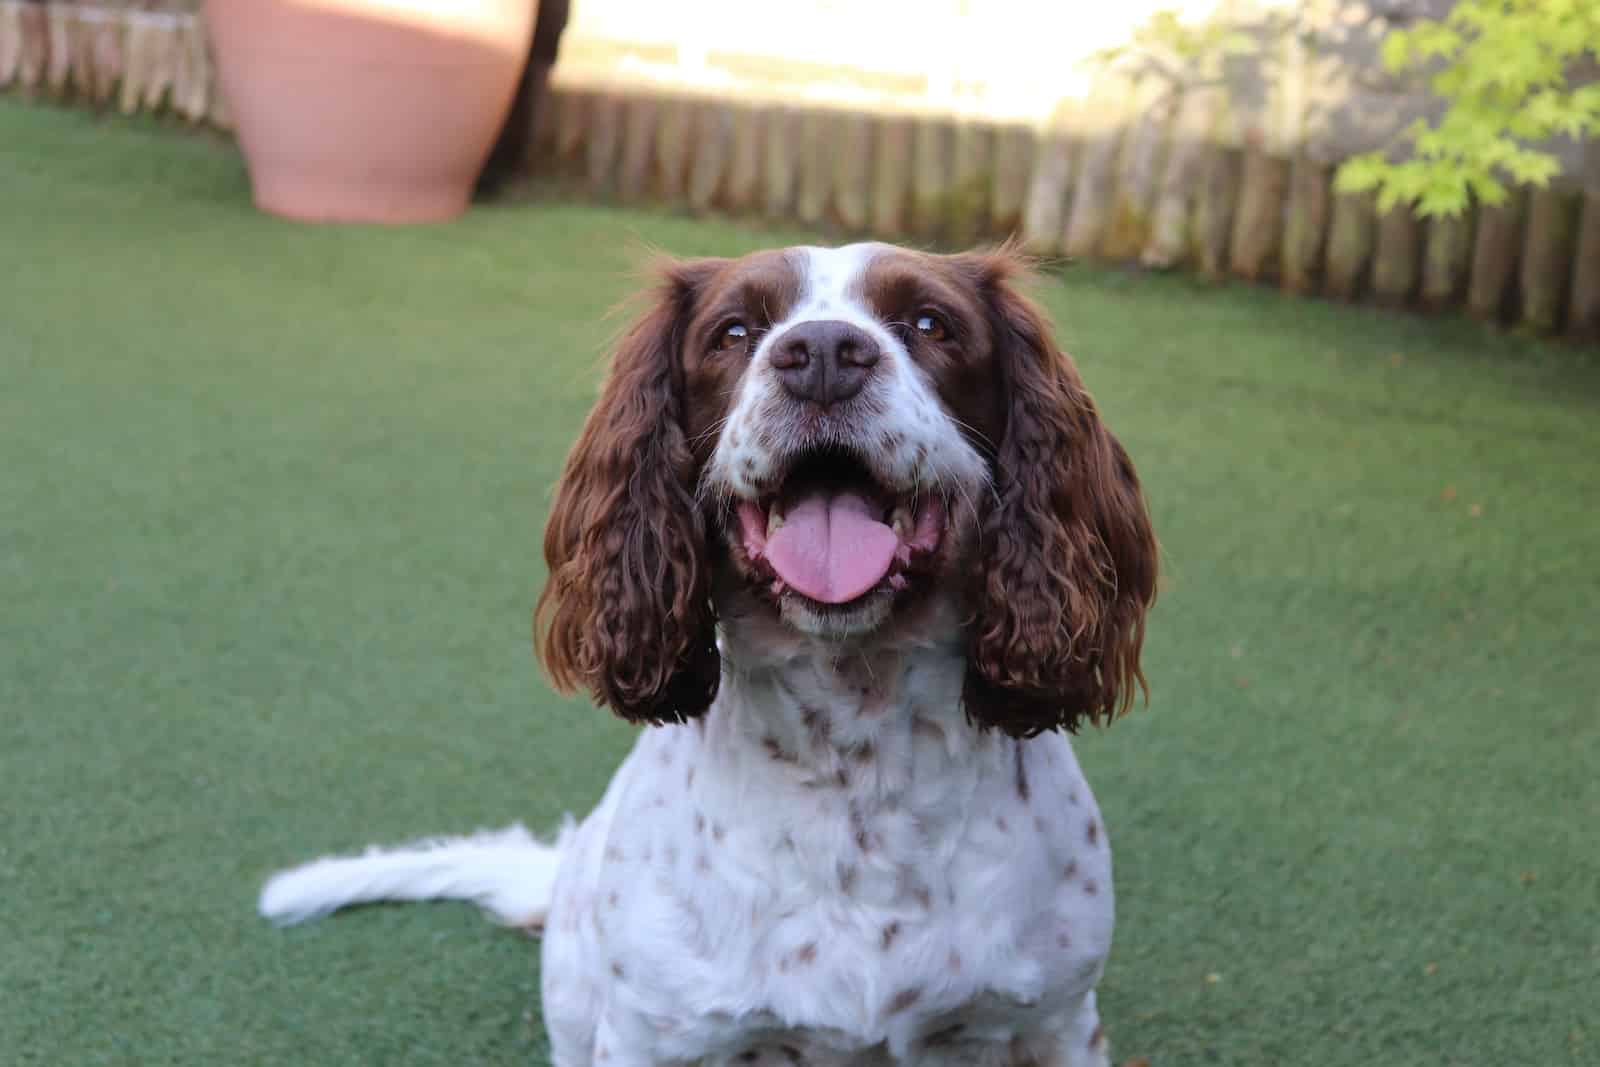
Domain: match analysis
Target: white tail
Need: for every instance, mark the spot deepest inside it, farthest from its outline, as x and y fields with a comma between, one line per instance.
x=508, y=873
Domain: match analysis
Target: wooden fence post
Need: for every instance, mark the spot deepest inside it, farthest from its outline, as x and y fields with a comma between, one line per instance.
x=604, y=143
x=1352, y=235
x=1258, y=220
x=1446, y=256
x=1213, y=210
x=1044, y=212
x=971, y=178
x=780, y=142
x=1394, y=260
x=33, y=58
x=1181, y=179
x=1013, y=163
x=1583, y=319
x=10, y=40
x=1104, y=117
x=1494, y=255
x=639, y=122
x=573, y=106
x=930, y=175
x=1136, y=175
x=712, y=157
x=1553, y=216
x=891, y=175
x=851, y=147
x=816, y=169
x=59, y=57
x=742, y=190
x=1305, y=223
x=675, y=133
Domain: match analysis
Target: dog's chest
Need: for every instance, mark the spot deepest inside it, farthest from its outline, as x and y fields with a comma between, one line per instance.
x=834, y=865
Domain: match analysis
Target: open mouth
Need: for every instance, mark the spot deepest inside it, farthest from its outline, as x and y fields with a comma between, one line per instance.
x=833, y=534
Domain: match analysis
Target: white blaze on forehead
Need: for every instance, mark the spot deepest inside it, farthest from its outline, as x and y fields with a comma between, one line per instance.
x=832, y=282
x=898, y=425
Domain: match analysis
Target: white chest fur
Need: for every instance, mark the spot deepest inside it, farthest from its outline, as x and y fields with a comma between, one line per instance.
x=832, y=867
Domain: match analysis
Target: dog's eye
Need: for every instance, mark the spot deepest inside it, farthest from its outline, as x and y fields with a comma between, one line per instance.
x=732, y=336
x=931, y=326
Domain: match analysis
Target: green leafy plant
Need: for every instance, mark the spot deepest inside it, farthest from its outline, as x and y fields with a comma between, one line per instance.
x=1186, y=53
x=1503, y=66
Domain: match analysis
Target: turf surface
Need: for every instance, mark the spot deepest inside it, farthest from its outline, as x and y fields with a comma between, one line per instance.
x=272, y=497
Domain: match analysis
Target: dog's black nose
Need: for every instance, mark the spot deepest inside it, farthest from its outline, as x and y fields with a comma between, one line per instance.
x=824, y=361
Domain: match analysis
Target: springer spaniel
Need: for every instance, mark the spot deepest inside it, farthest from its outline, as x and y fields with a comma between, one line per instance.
x=846, y=529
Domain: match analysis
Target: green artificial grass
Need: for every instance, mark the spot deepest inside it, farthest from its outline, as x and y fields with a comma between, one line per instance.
x=272, y=504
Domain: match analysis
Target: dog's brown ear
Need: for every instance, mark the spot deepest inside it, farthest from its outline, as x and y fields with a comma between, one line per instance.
x=626, y=612
x=1067, y=563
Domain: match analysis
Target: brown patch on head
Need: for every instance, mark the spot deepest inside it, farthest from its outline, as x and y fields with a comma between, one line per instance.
x=891, y=930
x=806, y=953
x=1094, y=832
x=899, y=285
x=1089, y=888
x=757, y=290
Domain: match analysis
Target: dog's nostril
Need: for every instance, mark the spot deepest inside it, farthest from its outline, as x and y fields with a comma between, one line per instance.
x=859, y=354
x=792, y=354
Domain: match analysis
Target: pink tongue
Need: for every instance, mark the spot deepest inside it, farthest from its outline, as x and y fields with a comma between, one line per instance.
x=831, y=546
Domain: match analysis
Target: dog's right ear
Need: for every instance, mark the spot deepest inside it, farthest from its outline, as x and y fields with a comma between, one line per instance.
x=626, y=610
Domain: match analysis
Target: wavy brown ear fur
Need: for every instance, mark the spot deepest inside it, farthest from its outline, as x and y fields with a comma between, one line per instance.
x=1067, y=567
x=625, y=613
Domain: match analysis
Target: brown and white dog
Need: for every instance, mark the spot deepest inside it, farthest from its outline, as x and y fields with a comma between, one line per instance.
x=847, y=530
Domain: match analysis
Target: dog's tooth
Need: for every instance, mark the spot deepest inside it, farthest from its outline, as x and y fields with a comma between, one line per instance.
x=900, y=521
x=774, y=520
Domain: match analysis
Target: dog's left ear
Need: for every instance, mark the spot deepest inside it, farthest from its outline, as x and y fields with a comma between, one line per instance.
x=1067, y=563
x=626, y=610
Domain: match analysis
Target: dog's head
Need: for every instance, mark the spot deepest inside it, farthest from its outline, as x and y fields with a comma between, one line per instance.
x=830, y=438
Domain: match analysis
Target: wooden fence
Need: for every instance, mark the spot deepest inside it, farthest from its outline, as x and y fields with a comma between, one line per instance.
x=1132, y=174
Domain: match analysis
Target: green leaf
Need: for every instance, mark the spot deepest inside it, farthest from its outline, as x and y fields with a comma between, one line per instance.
x=1362, y=173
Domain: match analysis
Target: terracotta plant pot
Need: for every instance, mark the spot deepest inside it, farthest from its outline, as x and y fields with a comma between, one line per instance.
x=368, y=110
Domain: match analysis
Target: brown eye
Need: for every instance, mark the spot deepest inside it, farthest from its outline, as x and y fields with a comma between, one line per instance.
x=733, y=335
x=931, y=326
